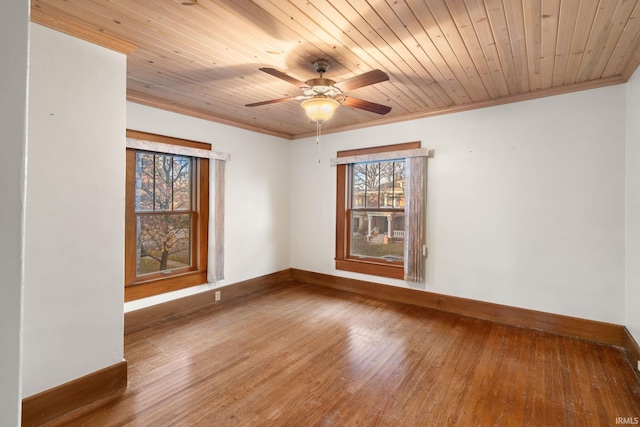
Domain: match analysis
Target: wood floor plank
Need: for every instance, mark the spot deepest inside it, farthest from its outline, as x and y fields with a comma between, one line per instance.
x=304, y=355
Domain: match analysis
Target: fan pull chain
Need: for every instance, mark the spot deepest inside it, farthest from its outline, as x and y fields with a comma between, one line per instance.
x=318, y=135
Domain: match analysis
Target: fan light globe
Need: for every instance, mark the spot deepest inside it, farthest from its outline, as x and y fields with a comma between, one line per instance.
x=320, y=109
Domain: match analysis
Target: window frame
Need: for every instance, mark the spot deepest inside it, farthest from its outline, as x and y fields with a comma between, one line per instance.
x=343, y=260
x=137, y=287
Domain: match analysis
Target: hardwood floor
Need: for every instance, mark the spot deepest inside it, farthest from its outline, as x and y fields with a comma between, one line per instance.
x=303, y=355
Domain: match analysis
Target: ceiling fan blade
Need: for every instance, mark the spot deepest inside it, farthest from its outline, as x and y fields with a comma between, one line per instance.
x=366, y=105
x=366, y=79
x=287, y=78
x=271, y=101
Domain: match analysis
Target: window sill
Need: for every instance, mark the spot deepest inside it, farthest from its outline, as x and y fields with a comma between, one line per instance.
x=161, y=285
x=393, y=271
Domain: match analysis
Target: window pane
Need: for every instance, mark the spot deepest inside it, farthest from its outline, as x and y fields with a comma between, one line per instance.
x=144, y=181
x=181, y=183
x=164, y=242
x=163, y=182
x=377, y=235
x=358, y=192
x=378, y=185
x=386, y=184
x=373, y=185
x=399, y=179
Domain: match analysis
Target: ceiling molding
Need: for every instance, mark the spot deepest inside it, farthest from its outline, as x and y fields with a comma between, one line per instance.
x=168, y=105
x=74, y=29
x=164, y=104
x=543, y=93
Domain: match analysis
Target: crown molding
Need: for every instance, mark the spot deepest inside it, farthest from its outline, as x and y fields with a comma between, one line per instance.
x=67, y=26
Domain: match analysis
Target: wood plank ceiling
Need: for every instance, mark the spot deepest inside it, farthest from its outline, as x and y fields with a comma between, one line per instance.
x=441, y=56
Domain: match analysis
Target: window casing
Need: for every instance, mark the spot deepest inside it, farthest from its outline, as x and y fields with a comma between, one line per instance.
x=370, y=213
x=166, y=219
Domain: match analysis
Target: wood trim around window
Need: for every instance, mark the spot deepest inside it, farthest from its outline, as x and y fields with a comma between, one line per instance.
x=136, y=288
x=145, y=136
x=379, y=149
x=343, y=261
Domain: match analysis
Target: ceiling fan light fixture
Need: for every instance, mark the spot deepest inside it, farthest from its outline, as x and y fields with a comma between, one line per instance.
x=320, y=108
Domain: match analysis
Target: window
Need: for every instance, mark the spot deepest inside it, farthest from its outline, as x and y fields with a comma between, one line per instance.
x=376, y=230
x=166, y=219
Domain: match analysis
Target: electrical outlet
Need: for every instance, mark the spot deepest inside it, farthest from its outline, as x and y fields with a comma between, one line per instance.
x=217, y=295
x=638, y=365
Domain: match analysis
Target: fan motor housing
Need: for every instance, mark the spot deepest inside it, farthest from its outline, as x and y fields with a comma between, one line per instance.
x=320, y=81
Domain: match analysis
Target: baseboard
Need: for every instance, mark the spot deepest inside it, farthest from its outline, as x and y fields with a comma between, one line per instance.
x=591, y=330
x=632, y=349
x=140, y=319
x=50, y=404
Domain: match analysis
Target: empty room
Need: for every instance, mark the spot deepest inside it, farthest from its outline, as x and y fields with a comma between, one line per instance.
x=320, y=213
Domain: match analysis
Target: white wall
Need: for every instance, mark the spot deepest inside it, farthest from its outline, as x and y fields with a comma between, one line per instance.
x=633, y=208
x=257, y=200
x=525, y=202
x=73, y=314
x=14, y=40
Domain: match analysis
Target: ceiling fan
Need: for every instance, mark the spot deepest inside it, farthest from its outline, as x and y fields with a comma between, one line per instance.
x=320, y=96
